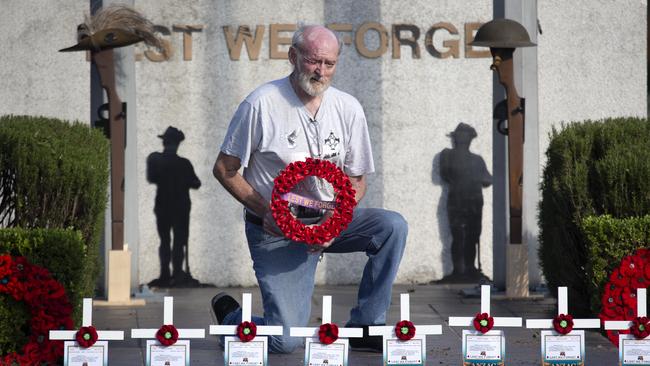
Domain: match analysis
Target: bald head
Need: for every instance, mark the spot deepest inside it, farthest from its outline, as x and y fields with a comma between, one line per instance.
x=314, y=37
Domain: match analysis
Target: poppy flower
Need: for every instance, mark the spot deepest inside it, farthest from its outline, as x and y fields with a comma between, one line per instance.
x=328, y=333
x=246, y=331
x=167, y=335
x=640, y=327
x=405, y=330
x=86, y=336
x=563, y=323
x=483, y=322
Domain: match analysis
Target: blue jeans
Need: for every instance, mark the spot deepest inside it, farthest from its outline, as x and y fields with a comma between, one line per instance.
x=285, y=273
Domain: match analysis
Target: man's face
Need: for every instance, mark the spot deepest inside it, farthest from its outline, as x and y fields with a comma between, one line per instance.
x=315, y=65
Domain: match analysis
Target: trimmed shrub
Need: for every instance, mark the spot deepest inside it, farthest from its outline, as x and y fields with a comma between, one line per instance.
x=608, y=241
x=53, y=191
x=63, y=253
x=54, y=174
x=593, y=168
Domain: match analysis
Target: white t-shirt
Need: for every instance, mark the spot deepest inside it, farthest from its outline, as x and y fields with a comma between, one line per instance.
x=272, y=128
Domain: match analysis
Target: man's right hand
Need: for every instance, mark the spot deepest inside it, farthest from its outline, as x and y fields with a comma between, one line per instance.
x=270, y=226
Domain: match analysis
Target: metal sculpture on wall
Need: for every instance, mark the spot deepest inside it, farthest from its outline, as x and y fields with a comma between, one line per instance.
x=174, y=177
x=466, y=175
x=503, y=36
x=112, y=27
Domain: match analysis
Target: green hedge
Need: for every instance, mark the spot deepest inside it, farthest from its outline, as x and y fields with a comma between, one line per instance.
x=54, y=174
x=593, y=168
x=608, y=241
x=63, y=253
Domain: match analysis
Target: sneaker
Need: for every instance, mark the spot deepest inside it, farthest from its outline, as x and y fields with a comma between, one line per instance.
x=222, y=305
x=368, y=343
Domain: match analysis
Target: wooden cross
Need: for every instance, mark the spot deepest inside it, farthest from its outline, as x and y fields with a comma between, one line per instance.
x=262, y=330
x=562, y=308
x=641, y=311
x=168, y=319
x=468, y=321
x=87, y=320
x=389, y=331
x=327, y=318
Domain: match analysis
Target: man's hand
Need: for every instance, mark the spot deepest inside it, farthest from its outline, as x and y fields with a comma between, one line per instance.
x=319, y=248
x=270, y=226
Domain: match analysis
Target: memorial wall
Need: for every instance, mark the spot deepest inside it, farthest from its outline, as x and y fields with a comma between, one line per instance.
x=407, y=62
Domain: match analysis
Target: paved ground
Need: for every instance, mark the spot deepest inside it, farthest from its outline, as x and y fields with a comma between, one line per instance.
x=430, y=304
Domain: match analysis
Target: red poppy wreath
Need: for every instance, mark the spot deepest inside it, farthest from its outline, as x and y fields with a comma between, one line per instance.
x=293, y=174
x=46, y=301
x=619, y=295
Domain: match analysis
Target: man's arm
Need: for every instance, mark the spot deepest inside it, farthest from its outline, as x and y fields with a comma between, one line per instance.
x=359, y=184
x=226, y=170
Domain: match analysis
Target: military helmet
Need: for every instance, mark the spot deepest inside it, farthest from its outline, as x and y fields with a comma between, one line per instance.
x=502, y=33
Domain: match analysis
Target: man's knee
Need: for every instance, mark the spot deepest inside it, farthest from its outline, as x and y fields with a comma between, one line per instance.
x=394, y=222
x=284, y=344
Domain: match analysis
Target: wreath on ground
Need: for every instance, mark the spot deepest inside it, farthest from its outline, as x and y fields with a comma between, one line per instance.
x=619, y=297
x=48, y=306
x=293, y=174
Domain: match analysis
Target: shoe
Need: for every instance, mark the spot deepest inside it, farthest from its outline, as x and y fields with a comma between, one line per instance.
x=368, y=343
x=222, y=305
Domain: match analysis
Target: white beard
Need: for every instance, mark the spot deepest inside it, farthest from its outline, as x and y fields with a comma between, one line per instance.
x=312, y=87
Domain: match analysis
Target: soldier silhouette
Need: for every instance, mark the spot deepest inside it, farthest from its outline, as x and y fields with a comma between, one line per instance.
x=466, y=175
x=174, y=176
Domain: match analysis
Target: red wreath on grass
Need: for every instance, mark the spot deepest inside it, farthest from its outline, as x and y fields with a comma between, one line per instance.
x=345, y=201
x=619, y=298
x=328, y=333
x=246, y=331
x=563, y=323
x=404, y=330
x=86, y=336
x=47, y=304
x=167, y=335
x=640, y=327
x=483, y=322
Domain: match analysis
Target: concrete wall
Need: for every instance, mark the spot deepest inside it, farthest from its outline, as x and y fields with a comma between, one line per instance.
x=36, y=79
x=592, y=64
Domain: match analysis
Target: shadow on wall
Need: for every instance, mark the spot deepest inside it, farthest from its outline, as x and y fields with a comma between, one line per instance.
x=465, y=175
x=444, y=235
x=174, y=177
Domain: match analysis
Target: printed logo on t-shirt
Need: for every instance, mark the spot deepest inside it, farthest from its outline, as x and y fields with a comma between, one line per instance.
x=332, y=143
x=291, y=139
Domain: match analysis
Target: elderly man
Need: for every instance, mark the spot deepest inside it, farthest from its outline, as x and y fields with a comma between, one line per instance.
x=288, y=120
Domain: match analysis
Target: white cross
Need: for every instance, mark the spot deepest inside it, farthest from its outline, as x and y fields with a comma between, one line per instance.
x=387, y=331
x=327, y=318
x=468, y=321
x=641, y=311
x=168, y=319
x=562, y=308
x=87, y=320
x=246, y=317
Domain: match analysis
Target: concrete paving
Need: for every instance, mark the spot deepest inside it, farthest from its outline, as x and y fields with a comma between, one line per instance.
x=430, y=304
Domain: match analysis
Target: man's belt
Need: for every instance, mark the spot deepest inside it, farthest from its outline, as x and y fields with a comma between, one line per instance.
x=256, y=220
x=253, y=219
